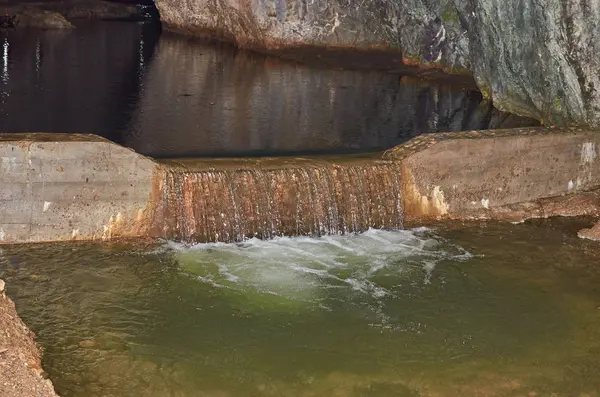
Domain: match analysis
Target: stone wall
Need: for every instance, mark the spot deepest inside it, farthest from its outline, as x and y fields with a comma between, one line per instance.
x=534, y=58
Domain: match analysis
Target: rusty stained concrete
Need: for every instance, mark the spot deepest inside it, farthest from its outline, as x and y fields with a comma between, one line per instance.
x=231, y=200
x=57, y=187
x=503, y=174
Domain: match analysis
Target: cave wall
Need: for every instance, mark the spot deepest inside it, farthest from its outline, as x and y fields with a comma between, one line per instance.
x=537, y=58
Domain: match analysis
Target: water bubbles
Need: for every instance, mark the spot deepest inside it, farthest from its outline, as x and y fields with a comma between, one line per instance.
x=368, y=269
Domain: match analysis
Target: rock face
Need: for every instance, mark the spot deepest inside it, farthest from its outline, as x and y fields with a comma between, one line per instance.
x=592, y=233
x=88, y=9
x=20, y=369
x=539, y=58
x=532, y=57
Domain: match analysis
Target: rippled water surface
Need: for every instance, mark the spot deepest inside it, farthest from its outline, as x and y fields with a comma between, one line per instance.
x=476, y=310
x=167, y=96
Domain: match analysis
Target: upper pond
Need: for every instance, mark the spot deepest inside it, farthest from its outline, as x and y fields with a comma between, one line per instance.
x=167, y=96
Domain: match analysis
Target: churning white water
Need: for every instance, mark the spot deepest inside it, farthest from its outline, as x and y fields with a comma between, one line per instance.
x=362, y=268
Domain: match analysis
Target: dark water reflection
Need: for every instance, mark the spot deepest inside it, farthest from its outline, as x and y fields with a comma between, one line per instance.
x=81, y=80
x=168, y=96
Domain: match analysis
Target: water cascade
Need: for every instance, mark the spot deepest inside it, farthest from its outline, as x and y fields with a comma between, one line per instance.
x=230, y=200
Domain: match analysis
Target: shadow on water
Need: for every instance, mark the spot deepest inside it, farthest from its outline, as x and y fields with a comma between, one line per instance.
x=84, y=80
x=174, y=97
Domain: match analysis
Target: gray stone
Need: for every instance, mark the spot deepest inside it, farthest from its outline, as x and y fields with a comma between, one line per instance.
x=34, y=17
x=532, y=57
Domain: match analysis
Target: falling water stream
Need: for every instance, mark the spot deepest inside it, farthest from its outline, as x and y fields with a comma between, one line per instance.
x=232, y=200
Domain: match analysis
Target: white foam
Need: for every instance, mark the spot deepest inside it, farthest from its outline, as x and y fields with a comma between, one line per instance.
x=366, y=271
x=304, y=268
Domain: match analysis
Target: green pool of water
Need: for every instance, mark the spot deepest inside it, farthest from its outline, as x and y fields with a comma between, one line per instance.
x=476, y=310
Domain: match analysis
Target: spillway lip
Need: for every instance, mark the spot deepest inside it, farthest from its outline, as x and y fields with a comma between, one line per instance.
x=422, y=142
x=266, y=163
x=396, y=153
x=26, y=139
x=415, y=144
x=51, y=137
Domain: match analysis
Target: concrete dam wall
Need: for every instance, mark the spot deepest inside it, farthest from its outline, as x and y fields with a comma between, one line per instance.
x=81, y=187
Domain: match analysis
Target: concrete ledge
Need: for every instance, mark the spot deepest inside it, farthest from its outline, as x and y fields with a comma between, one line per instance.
x=474, y=174
x=57, y=187
x=67, y=187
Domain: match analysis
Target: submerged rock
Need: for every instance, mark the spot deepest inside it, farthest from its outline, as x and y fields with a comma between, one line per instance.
x=33, y=17
x=94, y=9
x=592, y=233
x=537, y=59
x=60, y=14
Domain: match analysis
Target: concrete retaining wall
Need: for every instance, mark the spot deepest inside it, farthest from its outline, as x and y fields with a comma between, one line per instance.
x=473, y=174
x=56, y=187
x=64, y=187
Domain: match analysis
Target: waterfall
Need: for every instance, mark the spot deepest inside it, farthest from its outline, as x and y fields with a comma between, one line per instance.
x=220, y=200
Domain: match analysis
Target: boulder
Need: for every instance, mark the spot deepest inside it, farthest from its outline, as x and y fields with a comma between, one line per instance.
x=21, y=374
x=62, y=13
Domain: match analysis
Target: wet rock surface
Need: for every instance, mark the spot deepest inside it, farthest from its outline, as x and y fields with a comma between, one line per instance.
x=104, y=10
x=535, y=58
x=63, y=14
x=20, y=368
x=592, y=233
x=35, y=17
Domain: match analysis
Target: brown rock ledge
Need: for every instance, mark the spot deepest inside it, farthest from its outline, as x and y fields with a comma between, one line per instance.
x=592, y=233
x=20, y=357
